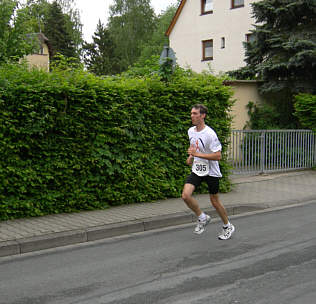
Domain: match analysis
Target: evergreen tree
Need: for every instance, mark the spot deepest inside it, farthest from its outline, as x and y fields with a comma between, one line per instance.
x=283, y=53
x=131, y=23
x=73, y=23
x=99, y=56
x=39, y=10
x=57, y=32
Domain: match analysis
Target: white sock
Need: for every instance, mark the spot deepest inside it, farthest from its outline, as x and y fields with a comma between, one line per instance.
x=227, y=225
x=202, y=217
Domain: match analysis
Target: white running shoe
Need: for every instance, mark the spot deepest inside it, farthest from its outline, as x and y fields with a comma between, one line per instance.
x=200, y=226
x=227, y=232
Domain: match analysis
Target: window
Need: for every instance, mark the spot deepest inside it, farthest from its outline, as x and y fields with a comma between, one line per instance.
x=206, y=7
x=250, y=38
x=207, y=46
x=237, y=3
x=223, y=42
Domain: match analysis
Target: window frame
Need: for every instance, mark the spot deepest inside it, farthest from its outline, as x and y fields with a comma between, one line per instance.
x=248, y=37
x=236, y=6
x=204, y=58
x=223, y=42
x=203, y=12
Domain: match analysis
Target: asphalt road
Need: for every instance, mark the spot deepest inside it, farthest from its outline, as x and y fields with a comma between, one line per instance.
x=271, y=259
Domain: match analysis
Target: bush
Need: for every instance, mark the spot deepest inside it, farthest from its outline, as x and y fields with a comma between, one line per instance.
x=72, y=141
x=305, y=110
x=262, y=117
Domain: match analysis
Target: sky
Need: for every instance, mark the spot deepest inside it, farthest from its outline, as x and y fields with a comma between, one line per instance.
x=93, y=10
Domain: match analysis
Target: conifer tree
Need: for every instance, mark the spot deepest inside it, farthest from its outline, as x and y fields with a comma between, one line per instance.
x=55, y=29
x=73, y=22
x=283, y=53
x=99, y=56
x=40, y=10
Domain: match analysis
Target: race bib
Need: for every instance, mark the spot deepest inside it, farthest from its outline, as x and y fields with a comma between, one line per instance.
x=200, y=167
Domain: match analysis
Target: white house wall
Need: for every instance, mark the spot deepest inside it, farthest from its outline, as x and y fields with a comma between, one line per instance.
x=192, y=28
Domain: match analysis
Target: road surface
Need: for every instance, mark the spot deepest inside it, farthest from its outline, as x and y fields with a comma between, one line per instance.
x=271, y=259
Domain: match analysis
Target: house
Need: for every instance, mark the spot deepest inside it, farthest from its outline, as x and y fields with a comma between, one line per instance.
x=210, y=33
x=244, y=91
x=40, y=58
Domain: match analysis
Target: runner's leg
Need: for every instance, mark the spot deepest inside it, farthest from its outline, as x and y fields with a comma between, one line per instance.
x=219, y=207
x=191, y=202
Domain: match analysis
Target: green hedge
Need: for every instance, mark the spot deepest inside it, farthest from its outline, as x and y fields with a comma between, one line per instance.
x=71, y=141
x=305, y=110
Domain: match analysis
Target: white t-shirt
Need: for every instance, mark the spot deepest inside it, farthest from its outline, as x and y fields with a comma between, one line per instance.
x=206, y=141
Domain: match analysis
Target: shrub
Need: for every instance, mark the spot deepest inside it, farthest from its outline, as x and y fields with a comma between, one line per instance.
x=305, y=110
x=72, y=141
x=262, y=117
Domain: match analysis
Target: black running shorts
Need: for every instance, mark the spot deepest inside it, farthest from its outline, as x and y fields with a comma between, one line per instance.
x=212, y=182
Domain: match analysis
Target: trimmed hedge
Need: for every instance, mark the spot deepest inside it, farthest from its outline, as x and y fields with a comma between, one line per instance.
x=72, y=141
x=305, y=110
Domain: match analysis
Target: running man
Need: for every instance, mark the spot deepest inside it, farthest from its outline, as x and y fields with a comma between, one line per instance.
x=204, y=154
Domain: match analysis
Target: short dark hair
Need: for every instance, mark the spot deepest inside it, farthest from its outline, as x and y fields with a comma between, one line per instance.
x=202, y=108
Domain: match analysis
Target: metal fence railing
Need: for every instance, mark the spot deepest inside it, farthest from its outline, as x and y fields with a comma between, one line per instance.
x=263, y=151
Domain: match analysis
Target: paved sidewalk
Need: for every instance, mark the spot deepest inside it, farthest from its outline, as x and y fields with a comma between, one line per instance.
x=250, y=193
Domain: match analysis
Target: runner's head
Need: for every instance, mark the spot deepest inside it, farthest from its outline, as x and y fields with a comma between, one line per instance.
x=198, y=114
x=201, y=108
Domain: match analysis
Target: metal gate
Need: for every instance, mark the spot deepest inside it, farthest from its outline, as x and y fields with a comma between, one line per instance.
x=263, y=151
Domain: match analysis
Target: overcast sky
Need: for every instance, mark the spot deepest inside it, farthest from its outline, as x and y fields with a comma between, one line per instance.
x=93, y=10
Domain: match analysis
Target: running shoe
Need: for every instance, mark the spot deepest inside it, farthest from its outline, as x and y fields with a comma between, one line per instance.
x=200, y=226
x=227, y=232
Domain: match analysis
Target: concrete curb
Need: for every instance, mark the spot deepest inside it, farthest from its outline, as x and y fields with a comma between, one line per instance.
x=72, y=237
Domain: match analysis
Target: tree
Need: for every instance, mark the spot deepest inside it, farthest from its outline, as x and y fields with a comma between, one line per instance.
x=73, y=22
x=131, y=23
x=283, y=53
x=99, y=56
x=57, y=32
x=14, y=30
x=39, y=11
x=158, y=40
x=36, y=10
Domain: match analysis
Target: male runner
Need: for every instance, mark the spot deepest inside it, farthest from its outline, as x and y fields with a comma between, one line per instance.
x=204, y=154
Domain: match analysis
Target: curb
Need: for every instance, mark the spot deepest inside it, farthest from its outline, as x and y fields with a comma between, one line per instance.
x=54, y=240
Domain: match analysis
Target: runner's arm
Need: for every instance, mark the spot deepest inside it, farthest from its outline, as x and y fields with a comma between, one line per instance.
x=209, y=156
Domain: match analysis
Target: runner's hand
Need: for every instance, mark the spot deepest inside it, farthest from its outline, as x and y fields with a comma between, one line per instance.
x=192, y=150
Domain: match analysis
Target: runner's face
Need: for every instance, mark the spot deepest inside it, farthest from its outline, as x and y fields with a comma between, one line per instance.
x=196, y=117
